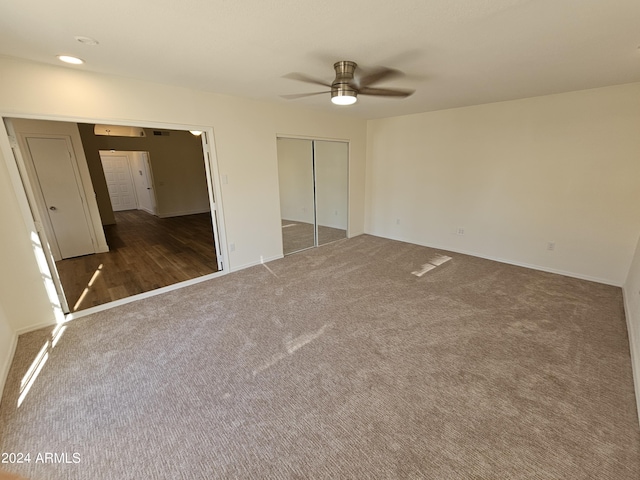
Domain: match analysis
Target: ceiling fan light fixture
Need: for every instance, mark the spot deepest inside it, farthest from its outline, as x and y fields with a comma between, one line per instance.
x=343, y=94
x=344, y=99
x=70, y=59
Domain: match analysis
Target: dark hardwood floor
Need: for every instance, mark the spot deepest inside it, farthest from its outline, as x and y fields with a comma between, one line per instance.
x=146, y=252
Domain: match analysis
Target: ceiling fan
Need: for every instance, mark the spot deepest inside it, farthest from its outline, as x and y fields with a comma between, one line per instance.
x=346, y=87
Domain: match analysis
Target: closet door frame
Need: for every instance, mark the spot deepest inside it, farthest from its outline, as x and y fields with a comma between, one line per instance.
x=312, y=141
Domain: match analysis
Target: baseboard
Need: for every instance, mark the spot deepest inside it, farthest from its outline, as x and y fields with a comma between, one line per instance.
x=182, y=213
x=6, y=363
x=37, y=326
x=589, y=278
x=337, y=227
x=141, y=296
x=105, y=306
x=253, y=264
x=633, y=342
x=604, y=281
x=296, y=221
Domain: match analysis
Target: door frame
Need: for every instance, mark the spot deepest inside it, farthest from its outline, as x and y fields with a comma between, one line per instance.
x=210, y=167
x=33, y=223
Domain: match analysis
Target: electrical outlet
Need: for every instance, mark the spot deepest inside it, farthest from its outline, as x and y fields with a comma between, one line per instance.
x=551, y=246
x=232, y=247
x=460, y=231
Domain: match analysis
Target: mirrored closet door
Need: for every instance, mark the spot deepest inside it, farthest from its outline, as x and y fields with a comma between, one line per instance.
x=313, y=177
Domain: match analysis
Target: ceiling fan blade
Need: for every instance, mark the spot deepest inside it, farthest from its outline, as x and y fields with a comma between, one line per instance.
x=301, y=95
x=301, y=77
x=384, y=92
x=378, y=75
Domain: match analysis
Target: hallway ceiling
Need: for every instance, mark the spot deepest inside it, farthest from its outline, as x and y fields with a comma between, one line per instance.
x=454, y=52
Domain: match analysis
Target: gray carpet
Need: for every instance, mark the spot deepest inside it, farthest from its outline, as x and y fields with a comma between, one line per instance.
x=338, y=362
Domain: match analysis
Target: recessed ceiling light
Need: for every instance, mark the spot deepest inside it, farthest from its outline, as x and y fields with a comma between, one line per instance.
x=87, y=40
x=68, y=59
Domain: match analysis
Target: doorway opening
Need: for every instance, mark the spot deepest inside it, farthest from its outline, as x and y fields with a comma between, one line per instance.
x=147, y=200
x=313, y=177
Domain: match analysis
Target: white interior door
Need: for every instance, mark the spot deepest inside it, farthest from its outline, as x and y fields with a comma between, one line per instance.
x=144, y=184
x=119, y=182
x=59, y=182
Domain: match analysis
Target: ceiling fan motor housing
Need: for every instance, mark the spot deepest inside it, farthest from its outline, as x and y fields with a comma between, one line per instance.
x=343, y=84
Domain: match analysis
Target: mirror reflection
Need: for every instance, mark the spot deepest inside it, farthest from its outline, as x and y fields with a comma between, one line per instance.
x=313, y=176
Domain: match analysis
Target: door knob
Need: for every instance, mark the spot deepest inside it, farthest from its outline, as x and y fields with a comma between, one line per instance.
x=52, y=208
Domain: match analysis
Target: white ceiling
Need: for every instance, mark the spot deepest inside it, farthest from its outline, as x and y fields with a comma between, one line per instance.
x=454, y=52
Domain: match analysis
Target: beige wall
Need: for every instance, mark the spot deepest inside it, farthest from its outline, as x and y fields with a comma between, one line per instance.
x=8, y=340
x=515, y=175
x=245, y=143
x=176, y=161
